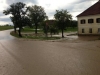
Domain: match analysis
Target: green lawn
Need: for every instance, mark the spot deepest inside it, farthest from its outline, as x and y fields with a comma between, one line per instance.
x=69, y=29
x=5, y=27
x=40, y=35
x=28, y=29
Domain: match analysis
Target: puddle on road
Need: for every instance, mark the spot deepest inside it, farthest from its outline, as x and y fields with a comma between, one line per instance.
x=5, y=35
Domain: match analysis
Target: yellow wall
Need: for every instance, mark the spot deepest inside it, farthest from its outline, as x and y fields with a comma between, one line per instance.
x=87, y=25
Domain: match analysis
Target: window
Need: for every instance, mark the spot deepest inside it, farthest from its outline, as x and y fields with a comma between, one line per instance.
x=82, y=21
x=98, y=20
x=90, y=30
x=82, y=30
x=90, y=20
x=98, y=30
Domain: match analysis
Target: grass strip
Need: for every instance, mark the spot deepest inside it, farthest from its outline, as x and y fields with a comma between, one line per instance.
x=6, y=27
x=39, y=37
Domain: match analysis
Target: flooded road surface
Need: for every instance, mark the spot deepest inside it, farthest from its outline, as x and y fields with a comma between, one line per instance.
x=19, y=57
x=5, y=35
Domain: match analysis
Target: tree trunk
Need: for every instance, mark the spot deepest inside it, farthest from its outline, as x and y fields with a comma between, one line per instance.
x=51, y=34
x=62, y=28
x=14, y=29
x=36, y=29
x=19, y=31
x=62, y=33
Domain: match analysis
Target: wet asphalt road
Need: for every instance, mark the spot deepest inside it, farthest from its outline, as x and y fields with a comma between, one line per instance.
x=20, y=57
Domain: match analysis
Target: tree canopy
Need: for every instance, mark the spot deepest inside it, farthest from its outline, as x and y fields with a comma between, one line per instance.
x=63, y=17
x=37, y=15
x=19, y=15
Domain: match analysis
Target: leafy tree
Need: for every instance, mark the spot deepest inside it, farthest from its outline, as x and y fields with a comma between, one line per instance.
x=53, y=28
x=74, y=23
x=37, y=15
x=19, y=15
x=45, y=27
x=49, y=26
x=62, y=17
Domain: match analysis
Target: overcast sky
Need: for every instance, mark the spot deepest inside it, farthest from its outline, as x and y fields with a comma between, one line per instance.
x=74, y=7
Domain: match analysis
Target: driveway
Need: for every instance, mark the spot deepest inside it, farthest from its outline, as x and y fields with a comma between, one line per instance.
x=20, y=57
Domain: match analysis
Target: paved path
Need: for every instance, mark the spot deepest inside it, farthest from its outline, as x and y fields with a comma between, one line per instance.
x=18, y=57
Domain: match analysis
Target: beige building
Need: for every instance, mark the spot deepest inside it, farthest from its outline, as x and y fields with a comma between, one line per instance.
x=89, y=20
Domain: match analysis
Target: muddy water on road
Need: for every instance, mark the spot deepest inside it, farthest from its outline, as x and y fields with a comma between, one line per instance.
x=21, y=57
x=5, y=35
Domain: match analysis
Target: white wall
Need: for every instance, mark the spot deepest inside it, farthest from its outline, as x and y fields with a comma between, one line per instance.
x=87, y=25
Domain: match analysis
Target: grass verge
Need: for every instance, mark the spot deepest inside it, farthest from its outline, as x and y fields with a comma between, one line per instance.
x=5, y=27
x=70, y=29
x=14, y=34
x=28, y=29
x=33, y=36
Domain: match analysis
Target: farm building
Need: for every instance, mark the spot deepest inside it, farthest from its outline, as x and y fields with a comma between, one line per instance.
x=89, y=20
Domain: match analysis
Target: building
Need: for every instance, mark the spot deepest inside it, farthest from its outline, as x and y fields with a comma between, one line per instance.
x=50, y=22
x=89, y=20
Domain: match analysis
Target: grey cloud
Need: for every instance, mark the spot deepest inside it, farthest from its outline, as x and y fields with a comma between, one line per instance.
x=5, y=19
x=24, y=1
x=48, y=5
x=9, y=2
x=1, y=14
x=1, y=1
x=81, y=1
x=78, y=6
x=50, y=13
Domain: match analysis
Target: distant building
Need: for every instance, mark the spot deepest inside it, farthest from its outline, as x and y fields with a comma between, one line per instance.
x=50, y=22
x=89, y=20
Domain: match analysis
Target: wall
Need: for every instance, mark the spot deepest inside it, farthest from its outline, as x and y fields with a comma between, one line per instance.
x=87, y=25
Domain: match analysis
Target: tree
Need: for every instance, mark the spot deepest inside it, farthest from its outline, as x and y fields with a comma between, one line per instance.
x=37, y=15
x=52, y=26
x=19, y=16
x=74, y=23
x=49, y=26
x=62, y=17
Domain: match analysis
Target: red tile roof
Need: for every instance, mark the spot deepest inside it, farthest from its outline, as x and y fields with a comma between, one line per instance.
x=93, y=10
x=50, y=22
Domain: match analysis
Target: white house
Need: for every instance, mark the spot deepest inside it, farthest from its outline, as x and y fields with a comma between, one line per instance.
x=89, y=20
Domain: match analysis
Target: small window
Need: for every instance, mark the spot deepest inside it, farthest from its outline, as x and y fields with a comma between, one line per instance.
x=98, y=30
x=98, y=20
x=82, y=30
x=82, y=21
x=90, y=20
x=90, y=30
